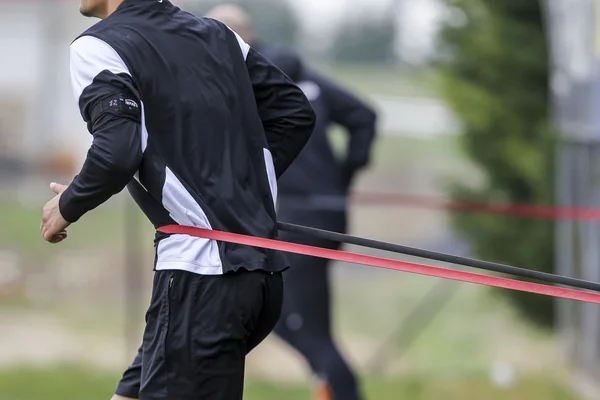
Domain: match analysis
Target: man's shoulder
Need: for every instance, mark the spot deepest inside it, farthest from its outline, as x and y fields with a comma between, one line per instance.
x=216, y=26
x=212, y=22
x=107, y=29
x=91, y=31
x=102, y=43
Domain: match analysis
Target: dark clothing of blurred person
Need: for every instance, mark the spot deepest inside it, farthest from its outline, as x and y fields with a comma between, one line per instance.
x=198, y=126
x=313, y=192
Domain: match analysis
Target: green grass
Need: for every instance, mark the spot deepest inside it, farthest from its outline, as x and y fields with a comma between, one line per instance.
x=24, y=222
x=471, y=331
x=102, y=228
x=76, y=382
x=423, y=388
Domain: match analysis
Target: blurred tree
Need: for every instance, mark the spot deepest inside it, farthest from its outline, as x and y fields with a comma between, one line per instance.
x=495, y=73
x=273, y=21
x=366, y=39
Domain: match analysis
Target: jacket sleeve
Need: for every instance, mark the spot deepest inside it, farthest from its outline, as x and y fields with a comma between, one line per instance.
x=111, y=107
x=351, y=113
x=287, y=116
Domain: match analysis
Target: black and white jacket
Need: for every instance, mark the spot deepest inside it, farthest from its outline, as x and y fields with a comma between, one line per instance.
x=196, y=123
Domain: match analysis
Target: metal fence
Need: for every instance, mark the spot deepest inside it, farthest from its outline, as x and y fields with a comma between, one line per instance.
x=574, y=33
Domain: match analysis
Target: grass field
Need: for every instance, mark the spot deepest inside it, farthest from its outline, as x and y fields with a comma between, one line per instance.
x=72, y=382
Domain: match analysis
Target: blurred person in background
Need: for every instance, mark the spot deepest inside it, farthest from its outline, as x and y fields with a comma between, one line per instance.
x=313, y=192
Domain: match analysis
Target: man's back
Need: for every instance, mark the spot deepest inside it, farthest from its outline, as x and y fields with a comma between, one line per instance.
x=206, y=158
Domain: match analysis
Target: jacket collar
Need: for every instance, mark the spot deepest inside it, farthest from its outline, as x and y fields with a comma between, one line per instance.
x=128, y=3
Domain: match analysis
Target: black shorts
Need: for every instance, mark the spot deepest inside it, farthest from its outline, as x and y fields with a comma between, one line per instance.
x=199, y=329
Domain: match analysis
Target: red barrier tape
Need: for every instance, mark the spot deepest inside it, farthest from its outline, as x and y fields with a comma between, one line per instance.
x=396, y=265
x=516, y=210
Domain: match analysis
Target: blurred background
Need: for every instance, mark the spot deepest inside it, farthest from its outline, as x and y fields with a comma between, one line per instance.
x=488, y=101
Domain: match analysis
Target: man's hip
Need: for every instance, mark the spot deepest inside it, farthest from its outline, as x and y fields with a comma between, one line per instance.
x=199, y=329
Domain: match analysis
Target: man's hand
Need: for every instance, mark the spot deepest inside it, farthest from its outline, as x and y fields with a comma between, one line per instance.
x=53, y=224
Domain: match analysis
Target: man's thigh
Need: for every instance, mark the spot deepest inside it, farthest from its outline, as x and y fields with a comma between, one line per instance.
x=208, y=383
x=195, y=340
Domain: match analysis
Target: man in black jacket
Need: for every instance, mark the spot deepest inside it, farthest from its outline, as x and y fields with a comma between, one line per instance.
x=313, y=192
x=198, y=126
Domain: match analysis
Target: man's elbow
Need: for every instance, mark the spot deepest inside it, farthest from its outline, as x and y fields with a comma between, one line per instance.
x=123, y=169
x=123, y=173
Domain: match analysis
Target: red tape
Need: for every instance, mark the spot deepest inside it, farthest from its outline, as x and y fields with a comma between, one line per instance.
x=511, y=209
x=379, y=262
